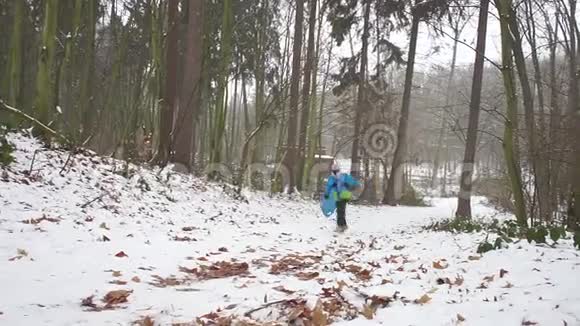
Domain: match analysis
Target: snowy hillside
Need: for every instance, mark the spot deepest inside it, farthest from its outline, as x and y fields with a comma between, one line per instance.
x=84, y=245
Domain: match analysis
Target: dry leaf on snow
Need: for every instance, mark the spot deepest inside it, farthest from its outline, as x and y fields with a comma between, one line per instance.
x=104, y=226
x=307, y=276
x=472, y=258
x=136, y=279
x=460, y=318
x=121, y=254
x=489, y=278
x=116, y=273
x=145, y=321
x=368, y=311
x=116, y=297
x=440, y=265
x=221, y=269
x=318, y=315
x=423, y=300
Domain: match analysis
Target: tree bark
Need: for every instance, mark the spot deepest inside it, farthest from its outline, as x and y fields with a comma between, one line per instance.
x=528, y=98
x=574, y=114
x=170, y=96
x=464, y=198
x=443, y=131
x=292, y=152
x=355, y=155
x=14, y=80
x=306, y=95
x=218, y=118
x=511, y=122
x=44, y=96
x=401, y=149
x=190, y=97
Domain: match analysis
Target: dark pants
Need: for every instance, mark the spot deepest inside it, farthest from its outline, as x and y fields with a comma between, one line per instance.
x=341, y=213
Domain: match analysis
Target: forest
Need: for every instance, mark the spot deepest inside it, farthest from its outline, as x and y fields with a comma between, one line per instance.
x=284, y=84
x=423, y=101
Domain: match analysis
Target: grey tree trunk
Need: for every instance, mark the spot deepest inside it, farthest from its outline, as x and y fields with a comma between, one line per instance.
x=292, y=152
x=355, y=155
x=190, y=97
x=464, y=198
x=401, y=149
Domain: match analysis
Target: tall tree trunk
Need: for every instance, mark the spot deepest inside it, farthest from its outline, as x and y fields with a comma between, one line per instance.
x=258, y=152
x=401, y=149
x=190, y=97
x=68, y=67
x=511, y=123
x=218, y=118
x=86, y=111
x=543, y=161
x=234, y=123
x=443, y=131
x=170, y=96
x=306, y=95
x=555, y=117
x=574, y=114
x=360, y=105
x=44, y=83
x=313, y=127
x=292, y=152
x=14, y=77
x=464, y=198
x=528, y=97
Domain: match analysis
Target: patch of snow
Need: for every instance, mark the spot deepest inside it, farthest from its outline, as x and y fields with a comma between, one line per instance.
x=163, y=220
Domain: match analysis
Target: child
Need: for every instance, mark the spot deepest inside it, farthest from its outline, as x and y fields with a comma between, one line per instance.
x=339, y=186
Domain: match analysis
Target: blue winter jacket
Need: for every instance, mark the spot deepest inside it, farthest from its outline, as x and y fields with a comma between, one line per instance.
x=340, y=186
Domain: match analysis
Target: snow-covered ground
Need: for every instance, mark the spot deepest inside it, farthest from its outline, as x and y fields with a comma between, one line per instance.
x=182, y=249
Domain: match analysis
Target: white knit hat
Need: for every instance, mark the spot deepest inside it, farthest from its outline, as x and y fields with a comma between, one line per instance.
x=334, y=167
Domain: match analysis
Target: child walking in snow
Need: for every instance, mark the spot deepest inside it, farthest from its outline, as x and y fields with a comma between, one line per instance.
x=339, y=186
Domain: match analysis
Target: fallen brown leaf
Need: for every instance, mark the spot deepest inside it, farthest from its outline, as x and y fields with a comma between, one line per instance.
x=223, y=249
x=489, y=278
x=116, y=297
x=121, y=254
x=368, y=311
x=318, y=316
x=116, y=273
x=307, y=276
x=460, y=318
x=145, y=321
x=136, y=279
x=221, y=269
x=440, y=265
x=423, y=300
x=472, y=258
x=104, y=226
